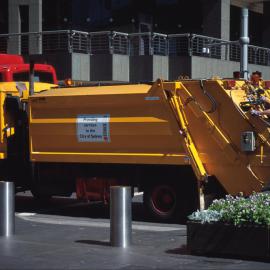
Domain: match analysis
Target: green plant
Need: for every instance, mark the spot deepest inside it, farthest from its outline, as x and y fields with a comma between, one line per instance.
x=237, y=210
x=205, y=216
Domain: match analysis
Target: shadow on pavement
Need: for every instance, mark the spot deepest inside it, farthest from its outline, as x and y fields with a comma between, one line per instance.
x=180, y=251
x=92, y=242
x=71, y=207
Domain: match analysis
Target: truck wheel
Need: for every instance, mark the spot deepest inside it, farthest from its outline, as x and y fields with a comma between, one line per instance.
x=161, y=201
x=37, y=191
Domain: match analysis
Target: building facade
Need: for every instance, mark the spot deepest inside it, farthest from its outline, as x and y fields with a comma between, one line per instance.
x=214, y=18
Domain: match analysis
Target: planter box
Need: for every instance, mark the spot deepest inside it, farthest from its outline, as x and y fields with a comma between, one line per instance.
x=226, y=240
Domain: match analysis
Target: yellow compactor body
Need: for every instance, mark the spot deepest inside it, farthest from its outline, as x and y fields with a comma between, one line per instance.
x=233, y=144
x=150, y=136
x=125, y=124
x=107, y=135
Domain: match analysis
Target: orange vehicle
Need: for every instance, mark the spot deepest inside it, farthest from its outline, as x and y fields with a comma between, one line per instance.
x=171, y=140
x=86, y=139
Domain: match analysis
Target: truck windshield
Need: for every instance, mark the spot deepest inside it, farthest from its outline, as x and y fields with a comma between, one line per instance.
x=39, y=76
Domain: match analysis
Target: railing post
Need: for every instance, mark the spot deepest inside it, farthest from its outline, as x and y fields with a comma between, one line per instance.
x=70, y=41
x=257, y=55
x=128, y=45
x=89, y=43
x=226, y=52
x=190, y=45
x=120, y=216
x=141, y=45
x=7, y=209
x=167, y=45
x=151, y=41
x=111, y=45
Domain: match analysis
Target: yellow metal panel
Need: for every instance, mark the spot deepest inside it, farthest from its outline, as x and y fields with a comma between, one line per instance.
x=217, y=136
x=141, y=124
x=100, y=91
x=167, y=123
x=122, y=158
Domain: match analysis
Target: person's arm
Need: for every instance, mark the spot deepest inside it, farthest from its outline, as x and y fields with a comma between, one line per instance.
x=265, y=112
x=259, y=113
x=265, y=99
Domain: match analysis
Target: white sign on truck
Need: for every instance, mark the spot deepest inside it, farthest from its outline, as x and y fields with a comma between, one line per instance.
x=93, y=128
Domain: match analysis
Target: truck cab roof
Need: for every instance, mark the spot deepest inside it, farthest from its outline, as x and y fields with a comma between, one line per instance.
x=20, y=72
x=10, y=59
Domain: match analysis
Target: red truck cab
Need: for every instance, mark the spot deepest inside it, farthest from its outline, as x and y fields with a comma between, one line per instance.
x=13, y=68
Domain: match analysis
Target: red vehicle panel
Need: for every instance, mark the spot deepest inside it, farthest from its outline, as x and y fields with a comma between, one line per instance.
x=11, y=59
x=13, y=68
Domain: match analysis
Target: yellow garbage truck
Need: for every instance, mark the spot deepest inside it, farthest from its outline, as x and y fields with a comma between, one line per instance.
x=172, y=140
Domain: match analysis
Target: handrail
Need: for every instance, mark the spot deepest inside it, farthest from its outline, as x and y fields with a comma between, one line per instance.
x=179, y=35
x=145, y=43
x=147, y=34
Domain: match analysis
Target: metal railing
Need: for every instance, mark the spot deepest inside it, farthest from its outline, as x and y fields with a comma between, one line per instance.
x=65, y=40
x=108, y=42
x=235, y=52
x=148, y=44
x=191, y=44
x=179, y=44
x=3, y=44
x=56, y=41
x=258, y=55
x=140, y=44
x=119, y=43
x=198, y=45
x=112, y=42
x=100, y=43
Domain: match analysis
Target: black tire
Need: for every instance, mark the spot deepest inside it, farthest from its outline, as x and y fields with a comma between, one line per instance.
x=36, y=189
x=163, y=202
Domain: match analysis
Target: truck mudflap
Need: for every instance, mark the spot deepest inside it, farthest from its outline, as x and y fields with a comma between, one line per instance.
x=94, y=188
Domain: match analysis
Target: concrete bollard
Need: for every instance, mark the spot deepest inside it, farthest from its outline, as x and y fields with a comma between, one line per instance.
x=7, y=208
x=121, y=217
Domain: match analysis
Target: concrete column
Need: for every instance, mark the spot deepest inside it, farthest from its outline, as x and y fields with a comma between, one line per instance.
x=14, y=26
x=216, y=18
x=225, y=19
x=80, y=67
x=120, y=68
x=35, y=25
x=216, y=21
x=160, y=67
x=266, y=24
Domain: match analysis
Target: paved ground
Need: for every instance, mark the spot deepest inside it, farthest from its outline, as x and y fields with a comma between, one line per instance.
x=66, y=235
